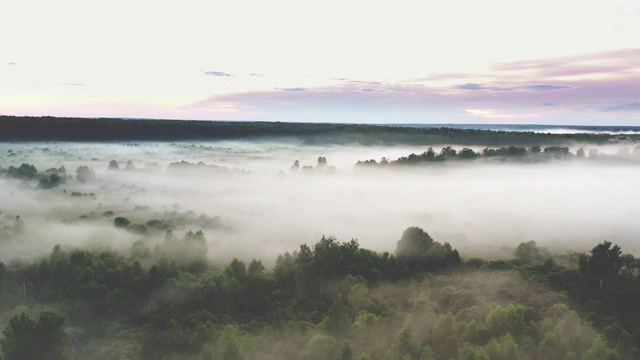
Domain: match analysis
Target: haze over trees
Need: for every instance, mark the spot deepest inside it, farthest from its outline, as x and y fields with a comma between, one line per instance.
x=272, y=250
x=330, y=298
x=521, y=154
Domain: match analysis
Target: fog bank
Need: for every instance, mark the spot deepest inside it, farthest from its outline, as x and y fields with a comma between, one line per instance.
x=266, y=208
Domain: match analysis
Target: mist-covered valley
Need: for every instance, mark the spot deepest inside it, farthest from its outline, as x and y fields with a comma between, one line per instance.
x=264, y=205
x=244, y=250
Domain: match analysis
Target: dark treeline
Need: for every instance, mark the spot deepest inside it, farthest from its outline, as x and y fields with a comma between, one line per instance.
x=505, y=153
x=14, y=128
x=332, y=300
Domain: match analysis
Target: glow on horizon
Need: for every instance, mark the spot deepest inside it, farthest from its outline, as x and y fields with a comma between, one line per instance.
x=563, y=62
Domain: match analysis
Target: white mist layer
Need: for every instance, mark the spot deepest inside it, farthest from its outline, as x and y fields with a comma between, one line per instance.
x=478, y=207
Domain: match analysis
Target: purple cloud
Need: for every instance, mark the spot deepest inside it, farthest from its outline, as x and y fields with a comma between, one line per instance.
x=616, y=61
x=470, y=86
x=545, y=87
x=633, y=106
x=519, y=90
x=535, y=87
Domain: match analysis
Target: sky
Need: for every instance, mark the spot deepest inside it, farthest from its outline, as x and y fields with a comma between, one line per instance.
x=350, y=61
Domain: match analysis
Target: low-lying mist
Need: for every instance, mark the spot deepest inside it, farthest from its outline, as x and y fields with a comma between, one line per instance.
x=251, y=202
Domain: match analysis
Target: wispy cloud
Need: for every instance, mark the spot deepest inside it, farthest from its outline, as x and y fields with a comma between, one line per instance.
x=365, y=82
x=217, y=74
x=480, y=87
x=496, y=114
x=292, y=89
x=506, y=92
x=534, y=87
x=545, y=87
x=633, y=106
x=609, y=62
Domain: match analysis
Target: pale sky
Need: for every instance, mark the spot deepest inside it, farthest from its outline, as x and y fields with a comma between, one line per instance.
x=533, y=62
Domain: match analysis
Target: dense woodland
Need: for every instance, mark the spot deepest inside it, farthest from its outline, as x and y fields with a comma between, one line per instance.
x=331, y=300
x=82, y=129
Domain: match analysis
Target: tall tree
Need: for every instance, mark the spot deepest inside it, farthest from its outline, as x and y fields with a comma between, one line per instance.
x=414, y=242
x=604, y=264
x=25, y=339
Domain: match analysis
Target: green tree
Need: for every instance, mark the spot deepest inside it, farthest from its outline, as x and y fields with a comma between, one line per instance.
x=406, y=345
x=413, y=243
x=85, y=174
x=427, y=353
x=473, y=352
x=337, y=321
x=50, y=181
x=121, y=222
x=600, y=351
x=24, y=171
x=448, y=152
x=628, y=265
x=24, y=339
x=535, y=150
x=604, y=264
x=467, y=154
x=18, y=338
x=255, y=268
x=445, y=337
x=503, y=348
x=529, y=252
x=322, y=347
x=229, y=342
x=506, y=320
x=357, y=297
x=347, y=353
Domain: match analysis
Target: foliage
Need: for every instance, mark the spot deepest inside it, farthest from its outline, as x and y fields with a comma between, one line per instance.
x=79, y=129
x=329, y=300
x=24, y=171
x=85, y=174
x=45, y=339
x=534, y=154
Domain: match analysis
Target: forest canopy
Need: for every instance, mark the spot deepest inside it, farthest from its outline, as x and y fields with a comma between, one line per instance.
x=332, y=300
x=106, y=129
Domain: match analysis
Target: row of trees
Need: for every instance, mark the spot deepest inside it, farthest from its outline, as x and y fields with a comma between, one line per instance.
x=519, y=153
x=321, y=166
x=78, y=129
x=49, y=178
x=332, y=300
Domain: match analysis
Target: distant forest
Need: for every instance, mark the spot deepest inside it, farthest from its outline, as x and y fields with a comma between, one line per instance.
x=14, y=128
